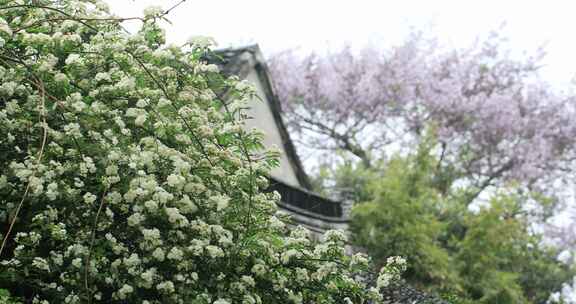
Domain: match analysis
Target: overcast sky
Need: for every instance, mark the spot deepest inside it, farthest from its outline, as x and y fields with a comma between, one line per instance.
x=320, y=24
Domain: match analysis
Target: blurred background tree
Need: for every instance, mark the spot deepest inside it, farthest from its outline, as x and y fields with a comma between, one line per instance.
x=457, y=159
x=490, y=254
x=495, y=119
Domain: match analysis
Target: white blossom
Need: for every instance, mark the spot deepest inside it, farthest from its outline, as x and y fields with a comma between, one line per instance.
x=175, y=254
x=153, y=11
x=140, y=120
x=166, y=287
x=102, y=76
x=73, y=59
x=61, y=78
x=77, y=262
x=158, y=254
x=174, y=180
x=89, y=198
x=4, y=27
x=126, y=83
x=259, y=269
x=135, y=219
x=214, y=251
x=41, y=264
x=125, y=291
x=201, y=41
x=221, y=202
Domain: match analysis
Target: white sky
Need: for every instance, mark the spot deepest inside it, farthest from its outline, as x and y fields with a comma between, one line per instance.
x=320, y=24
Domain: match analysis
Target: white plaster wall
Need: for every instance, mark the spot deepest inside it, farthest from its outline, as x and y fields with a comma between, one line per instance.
x=263, y=119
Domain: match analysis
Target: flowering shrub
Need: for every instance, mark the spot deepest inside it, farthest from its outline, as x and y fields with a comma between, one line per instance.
x=126, y=176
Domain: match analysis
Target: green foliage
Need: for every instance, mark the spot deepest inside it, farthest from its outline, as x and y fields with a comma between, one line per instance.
x=453, y=298
x=493, y=241
x=5, y=297
x=500, y=261
x=401, y=219
x=484, y=256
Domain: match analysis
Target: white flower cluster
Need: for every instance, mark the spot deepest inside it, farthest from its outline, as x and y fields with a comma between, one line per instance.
x=136, y=185
x=153, y=11
x=201, y=42
x=391, y=272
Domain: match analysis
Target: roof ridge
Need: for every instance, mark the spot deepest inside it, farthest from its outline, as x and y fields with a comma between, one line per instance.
x=226, y=57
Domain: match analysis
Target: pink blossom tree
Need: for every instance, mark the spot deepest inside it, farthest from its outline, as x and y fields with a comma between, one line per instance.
x=494, y=118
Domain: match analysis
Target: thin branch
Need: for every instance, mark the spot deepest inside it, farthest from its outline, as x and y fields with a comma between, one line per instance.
x=441, y=159
x=39, y=159
x=173, y=7
x=92, y=239
x=488, y=181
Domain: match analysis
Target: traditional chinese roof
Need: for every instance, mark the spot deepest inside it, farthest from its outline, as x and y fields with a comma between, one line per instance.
x=314, y=211
x=240, y=61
